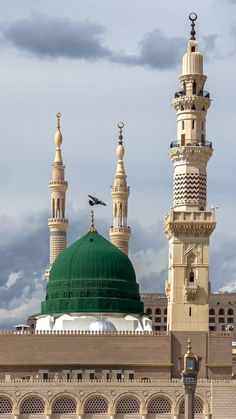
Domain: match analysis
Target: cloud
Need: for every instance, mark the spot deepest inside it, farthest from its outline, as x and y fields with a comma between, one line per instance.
x=54, y=37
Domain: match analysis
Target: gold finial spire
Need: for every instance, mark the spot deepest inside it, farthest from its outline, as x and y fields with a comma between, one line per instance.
x=92, y=228
x=189, y=351
x=58, y=115
x=120, y=125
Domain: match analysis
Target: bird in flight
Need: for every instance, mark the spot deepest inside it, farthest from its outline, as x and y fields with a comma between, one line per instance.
x=95, y=201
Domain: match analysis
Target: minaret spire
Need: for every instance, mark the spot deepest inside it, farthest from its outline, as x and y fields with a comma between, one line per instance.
x=189, y=224
x=57, y=224
x=193, y=18
x=120, y=231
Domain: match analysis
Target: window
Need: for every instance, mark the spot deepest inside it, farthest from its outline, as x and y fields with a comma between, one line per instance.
x=165, y=311
x=194, y=87
x=193, y=49
x=5, y=405
x=149, y=311
x=91, y=375
x=96, y=404
x=230, y=312
x=211, y=312
x=128, y=404
x=158, y=311
x=131, y=376
x=221, y=319
x=157, y=328
x=165, y=319
x=193, y=124
x=223, y=327
x=159, y=404
x=182, y=124
x=230, y=320
x=45, y=376
x=221, y=312
x=119, y=376
x=79, y=376
x=190, y=311
x=32, y=404
x=212, y=328
x=64, y=404
x=212, y=320
x=158, y=319
x=191, y=277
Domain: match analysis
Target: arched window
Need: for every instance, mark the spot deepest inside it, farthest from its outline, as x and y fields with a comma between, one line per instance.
x=212, y=312
x=191, y=277
x=149, y=311
x=53, y=208
x=198, y=406
x=32, y=404
x=159, y=404
x=58, y=208
x=221, y=312
x=230, y=312
x=64, y=404
x=128, y=404
x=96, y=404
x=194, y=87
x=158, y=311
x=5, y=405
x=193, y=109
x=165, y=311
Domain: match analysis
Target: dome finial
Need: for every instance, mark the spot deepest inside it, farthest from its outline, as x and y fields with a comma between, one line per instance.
x=121, y=126
x=58, y=115
x=92, y=228
x=193, y=17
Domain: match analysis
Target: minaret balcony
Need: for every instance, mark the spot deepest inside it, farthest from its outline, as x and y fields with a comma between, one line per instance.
x=191, y=143
x=190, y=290
x=202, y=93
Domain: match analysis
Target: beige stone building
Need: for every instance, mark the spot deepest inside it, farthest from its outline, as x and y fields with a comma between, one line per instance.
x=91, y=352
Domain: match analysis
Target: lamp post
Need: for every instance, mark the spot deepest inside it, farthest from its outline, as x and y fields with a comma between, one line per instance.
x=189, y=379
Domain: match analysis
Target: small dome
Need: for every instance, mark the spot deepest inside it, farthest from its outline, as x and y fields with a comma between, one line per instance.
x=102, y=325
x=92, y=276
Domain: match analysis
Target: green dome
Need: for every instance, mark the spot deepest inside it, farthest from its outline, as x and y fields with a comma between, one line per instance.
x=92, y=276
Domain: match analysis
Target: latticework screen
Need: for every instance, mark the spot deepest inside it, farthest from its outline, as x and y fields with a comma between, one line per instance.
x=64, y=404
x=96, y=404
x=5, y=405
x=32, y=404
x=159, y=404
x=128, y=404
x=198, y=406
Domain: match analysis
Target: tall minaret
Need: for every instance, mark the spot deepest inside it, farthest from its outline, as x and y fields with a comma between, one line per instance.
x=57, y=224
x=189, y=224
x=120, y=232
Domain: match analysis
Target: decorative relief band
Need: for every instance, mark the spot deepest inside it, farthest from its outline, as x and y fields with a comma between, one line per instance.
x=190, y=189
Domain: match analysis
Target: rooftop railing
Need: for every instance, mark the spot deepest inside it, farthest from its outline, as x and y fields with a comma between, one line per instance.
x=191, y=143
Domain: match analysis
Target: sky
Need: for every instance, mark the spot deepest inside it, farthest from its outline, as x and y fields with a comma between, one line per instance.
x=98, y=63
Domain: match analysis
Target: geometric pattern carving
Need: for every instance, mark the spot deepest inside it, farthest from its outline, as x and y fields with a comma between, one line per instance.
x=5, y=405
x=64, y=404
x=190, y=189
x=198, y=406
x=32, y=404
x=128, y=404
x=96, y=404
x=159, y=404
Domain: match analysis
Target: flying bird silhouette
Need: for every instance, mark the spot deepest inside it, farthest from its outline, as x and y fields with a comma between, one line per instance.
x=95, y=201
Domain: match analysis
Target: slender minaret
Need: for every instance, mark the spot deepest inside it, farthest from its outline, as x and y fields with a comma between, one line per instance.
x=120, y=232
x=57, y=224
x=189, y=225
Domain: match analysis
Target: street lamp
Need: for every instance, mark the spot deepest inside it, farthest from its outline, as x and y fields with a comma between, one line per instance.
x=189, y=380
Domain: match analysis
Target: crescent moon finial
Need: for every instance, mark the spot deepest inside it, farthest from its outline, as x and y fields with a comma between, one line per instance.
x=120, y=125
x=193, y=18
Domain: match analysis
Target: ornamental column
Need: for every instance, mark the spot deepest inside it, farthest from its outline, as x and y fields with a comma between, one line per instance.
x=57, y=224
x=120, y=231
x=189, y=224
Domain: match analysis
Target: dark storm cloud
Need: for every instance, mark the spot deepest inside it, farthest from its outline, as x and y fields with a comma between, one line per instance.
x=157, y=51
x=55, y=37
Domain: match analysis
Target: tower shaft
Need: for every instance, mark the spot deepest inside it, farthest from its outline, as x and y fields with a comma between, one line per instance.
x=57, y=223
x=120, y=231
x=189, y=225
